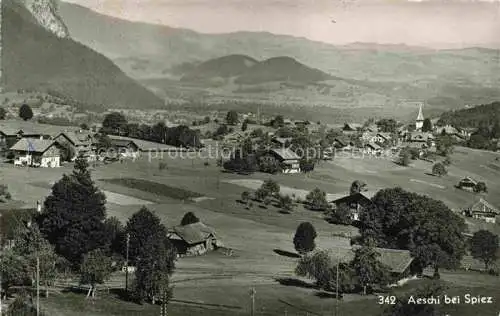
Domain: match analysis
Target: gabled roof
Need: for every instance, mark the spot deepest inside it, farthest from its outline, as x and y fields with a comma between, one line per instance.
x=285, y=153
x=352, y=126
x=142, y=145
x=364, y=196
x=77, y=138
x=469, y=180
x=397, y=260
x=33, y=145
x=193, y=233
x=421, y=136
x=385, y=135
x=483, y=206
x=373, y=146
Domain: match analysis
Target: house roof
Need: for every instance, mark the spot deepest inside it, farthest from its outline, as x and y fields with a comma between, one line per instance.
x=344, y=141
x=397, y=260
x=416, y=136
x=483, y=205
x=33, y=145
x=385, y=135
x=353, y=126
x=282, y=140
x=142, y=145
x=285, y=153
x=469, y=179
x=193, y=233
x=364, y=196
x=373, y=146
x=77, y=138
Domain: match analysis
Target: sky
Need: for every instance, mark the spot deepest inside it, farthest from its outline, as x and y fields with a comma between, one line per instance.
x=434, y=23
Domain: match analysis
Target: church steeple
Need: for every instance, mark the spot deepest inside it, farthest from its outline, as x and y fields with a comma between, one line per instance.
x=420, y=119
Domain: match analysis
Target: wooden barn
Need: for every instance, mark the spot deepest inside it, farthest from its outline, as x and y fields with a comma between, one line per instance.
x=482, y=210
x=193, y=239
x=355, y=202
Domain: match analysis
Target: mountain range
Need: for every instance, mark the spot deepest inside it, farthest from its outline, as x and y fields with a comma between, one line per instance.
x=38, y=53
x=262, y=66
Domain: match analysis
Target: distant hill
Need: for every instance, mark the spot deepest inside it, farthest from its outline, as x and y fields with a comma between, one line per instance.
x=481, y=115
x=247, y=70
x=36, y=58
x=281, y=69
x=222, y=67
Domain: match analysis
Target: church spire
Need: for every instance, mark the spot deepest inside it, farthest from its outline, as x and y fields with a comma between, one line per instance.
x=420, y=116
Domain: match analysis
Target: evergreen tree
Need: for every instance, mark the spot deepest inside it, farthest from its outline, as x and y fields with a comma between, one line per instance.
x=25, y=112
x=189, y=218
x=3, y=114
x=74, y=214
x=96, y=269
x=427, y=125
x=304, y=238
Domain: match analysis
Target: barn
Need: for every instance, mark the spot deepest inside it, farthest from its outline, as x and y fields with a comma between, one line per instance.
x=193, y=239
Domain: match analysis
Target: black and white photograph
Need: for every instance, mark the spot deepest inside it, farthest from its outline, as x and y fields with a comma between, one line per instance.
x=249, y=157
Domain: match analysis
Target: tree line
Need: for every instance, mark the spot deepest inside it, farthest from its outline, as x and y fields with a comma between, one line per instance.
x=116, y=124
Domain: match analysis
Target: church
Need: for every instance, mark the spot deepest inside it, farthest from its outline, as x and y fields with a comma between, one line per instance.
x=419, y=123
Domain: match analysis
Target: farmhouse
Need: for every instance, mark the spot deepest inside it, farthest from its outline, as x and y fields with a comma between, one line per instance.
x=36, y=152
x=382, y=138
x=356, y=202
x=398, y=261
x=125, y=147
x=136, y=145
x=193, y=239
x=482, y=210
x=467, y=183
x=342, y=142
x=372, y=148
x=80, y=142
x=288, y=159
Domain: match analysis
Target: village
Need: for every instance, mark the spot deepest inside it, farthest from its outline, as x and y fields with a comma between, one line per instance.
x=277, y=173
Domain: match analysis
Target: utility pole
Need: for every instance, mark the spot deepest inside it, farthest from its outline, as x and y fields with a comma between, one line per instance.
x=252, y=295
x=1, y=293
x=37, y=286
x=126, y=263
x=337, y=290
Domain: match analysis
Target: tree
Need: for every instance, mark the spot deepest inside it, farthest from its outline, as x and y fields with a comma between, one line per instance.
x=444, y=145
x=387, y=125
x=115, y=233
x=261, y=194
x=427, y=227
x=495, y=130
x=404, y=157
x=25, y=112
x=74, y=214
x=30, y=244
x=285, y=202
x=368, y=268
x=13, y=269
x=232, y=117
x=271, y=187
x=278, y=122
x=95, y=269
x=84, y=126
x=114, y=123
x=439, y=170
x=142, y=227
x=357, y=187
x=245, y=196
x=269, y=164
x=189, y=218
x=340, y=215
x=316, y=199
x=480, y=187
x=3, y=114
x=155, y=265
x=484, y=247
x=304, y=238
x=321, y=267
x=244, y=126
x=447, y=161
x=427, y=125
